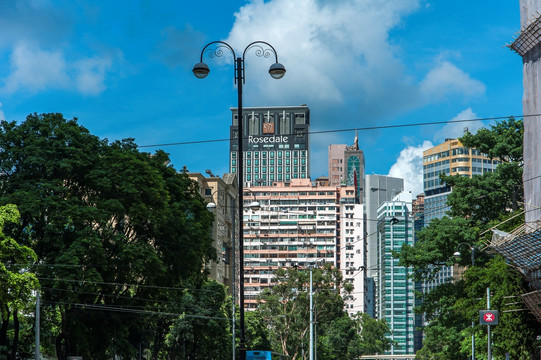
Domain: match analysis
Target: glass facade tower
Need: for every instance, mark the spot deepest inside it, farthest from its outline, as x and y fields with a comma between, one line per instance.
x=395, y=290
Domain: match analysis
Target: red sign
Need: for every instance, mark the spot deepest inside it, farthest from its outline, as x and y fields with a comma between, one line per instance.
x=488, y=317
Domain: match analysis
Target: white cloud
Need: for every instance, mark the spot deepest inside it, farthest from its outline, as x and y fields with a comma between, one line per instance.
x=456, y=129
x=409, y=166
x=333, y=51
x=35, y=69
x=2, y=115
x=446, y=79
x=340, y=58
x=90, y=75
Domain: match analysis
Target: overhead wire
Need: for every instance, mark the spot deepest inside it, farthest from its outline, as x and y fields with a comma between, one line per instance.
x=367, y=128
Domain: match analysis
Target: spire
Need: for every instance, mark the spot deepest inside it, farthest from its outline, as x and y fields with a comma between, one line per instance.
x=356, y=141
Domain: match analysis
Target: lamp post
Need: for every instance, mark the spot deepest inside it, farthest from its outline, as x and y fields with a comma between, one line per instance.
x=457, y=255
x=277, y=71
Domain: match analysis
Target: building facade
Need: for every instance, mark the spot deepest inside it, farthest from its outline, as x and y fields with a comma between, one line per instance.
x=347, y=166
x=449, y=158
x=353, y=253
x=379, y=188
x=275, y=144
x=336, y=163
x=395, y=300
x=222, y=192
x=299, y=223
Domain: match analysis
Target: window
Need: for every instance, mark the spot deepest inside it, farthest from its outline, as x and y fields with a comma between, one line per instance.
x=284, y=123
x=253, y=124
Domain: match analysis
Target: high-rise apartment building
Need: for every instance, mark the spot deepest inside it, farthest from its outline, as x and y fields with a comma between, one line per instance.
x=352, y=253
x=275, y=144
x=395, y=289
x=298, y=223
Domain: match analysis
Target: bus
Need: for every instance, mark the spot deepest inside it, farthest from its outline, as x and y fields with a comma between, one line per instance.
x=264, y=355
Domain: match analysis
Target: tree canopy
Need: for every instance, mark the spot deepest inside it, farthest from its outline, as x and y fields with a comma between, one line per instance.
x=286, y=307
x=119, y=235
x=476, y=205
x=17, y=283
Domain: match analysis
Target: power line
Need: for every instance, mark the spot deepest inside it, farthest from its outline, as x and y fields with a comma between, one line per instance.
x=117, y=284
x=368, y=128
x=137, y=311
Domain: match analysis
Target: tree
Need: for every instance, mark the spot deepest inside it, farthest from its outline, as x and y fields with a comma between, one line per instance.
x=477, y=204
x=373, y=336
x=113, y=228
x=16, y=283
x=338, y=336
x=202, y=331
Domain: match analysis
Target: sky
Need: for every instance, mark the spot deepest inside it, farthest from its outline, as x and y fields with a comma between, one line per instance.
x=124, y=70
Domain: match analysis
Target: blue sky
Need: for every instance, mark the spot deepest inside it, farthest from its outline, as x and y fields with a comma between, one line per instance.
x=123, y=68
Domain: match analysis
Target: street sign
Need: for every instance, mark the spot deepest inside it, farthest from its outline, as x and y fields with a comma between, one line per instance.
x=488, y=317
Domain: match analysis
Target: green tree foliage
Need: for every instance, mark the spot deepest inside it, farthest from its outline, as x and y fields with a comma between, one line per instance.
x=199, y=332
x=16, y=284
x=373, y=339
x=113, y=228
x=257, y=334
x=477, y=204
x=338, y=336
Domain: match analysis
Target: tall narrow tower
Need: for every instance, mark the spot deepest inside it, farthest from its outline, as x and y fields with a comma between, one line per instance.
x=528, y=45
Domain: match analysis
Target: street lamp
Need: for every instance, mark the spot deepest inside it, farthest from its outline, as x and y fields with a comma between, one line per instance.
x=472, y=249
x=276, y=71
x=457, y=256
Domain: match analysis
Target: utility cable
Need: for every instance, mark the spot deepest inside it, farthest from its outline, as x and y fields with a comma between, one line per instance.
x=381, y=127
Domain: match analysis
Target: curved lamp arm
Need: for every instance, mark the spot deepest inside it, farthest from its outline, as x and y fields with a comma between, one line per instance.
x=472, y=249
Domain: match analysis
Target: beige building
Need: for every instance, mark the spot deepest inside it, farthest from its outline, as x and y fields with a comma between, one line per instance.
x=450, y=158
x=221, y=195
x=336, y=164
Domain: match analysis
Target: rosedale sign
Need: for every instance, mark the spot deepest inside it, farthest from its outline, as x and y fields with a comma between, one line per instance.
x=268, y=139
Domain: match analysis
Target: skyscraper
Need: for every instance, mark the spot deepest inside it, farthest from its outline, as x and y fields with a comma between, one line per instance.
x=275, y=144
x=395, y=289
x=379, y=188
